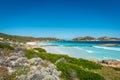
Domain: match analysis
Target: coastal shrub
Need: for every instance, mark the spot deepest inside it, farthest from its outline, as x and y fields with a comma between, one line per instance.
x=40, y=49
x=5, y=49
x=54, y=57
x=68, y=68
x=117, y=69
x=30, y=54
x=2, y=46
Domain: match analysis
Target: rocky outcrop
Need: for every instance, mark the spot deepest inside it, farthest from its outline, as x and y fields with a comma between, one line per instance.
x=33, y=69
x=112, y=63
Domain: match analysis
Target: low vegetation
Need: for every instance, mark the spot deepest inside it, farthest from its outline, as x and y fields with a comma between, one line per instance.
x=5, y=49
x=72, y=71
x=81, y=67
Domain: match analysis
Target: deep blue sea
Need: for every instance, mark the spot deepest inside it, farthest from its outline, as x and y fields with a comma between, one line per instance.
x=85, y=49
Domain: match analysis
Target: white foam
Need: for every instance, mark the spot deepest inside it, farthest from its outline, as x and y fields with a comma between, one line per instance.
x=89, y=51
x=77, y=48
x=108, y=48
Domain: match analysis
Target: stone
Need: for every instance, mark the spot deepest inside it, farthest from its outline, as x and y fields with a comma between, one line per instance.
x=51, y=77
x=73, y=74
x=2, y=61
x=19, y=54
x=3, y=70
x=21, y=61
x=61, y=60
x=36, y=75
x=112, y=63
x=13, y=58
x=35, y=61
x=110, y=44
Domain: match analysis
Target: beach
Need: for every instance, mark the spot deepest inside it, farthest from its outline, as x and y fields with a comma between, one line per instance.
x=83, y=50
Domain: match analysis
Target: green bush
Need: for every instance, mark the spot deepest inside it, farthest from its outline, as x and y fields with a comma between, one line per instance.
x=30, y=54
x=5, y=49
x=68, y=68
x=117, y=69
x=40, y=49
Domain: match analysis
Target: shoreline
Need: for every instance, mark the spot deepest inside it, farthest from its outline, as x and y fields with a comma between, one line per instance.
x=54, y=50
x=104, y=62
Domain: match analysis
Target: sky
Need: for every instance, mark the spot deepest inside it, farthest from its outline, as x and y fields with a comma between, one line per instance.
x=64, y=19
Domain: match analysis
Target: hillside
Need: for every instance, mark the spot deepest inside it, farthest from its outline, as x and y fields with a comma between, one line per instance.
x=89, y=38
x=24, y=38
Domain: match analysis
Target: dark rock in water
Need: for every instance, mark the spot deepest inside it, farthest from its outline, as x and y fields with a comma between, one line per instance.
x=110, y=44
x=112, y=63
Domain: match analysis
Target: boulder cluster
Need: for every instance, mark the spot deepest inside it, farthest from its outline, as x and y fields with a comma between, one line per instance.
x=112, y=63
x=28, y=69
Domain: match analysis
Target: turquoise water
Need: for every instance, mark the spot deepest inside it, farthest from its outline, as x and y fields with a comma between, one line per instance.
x=86, y=50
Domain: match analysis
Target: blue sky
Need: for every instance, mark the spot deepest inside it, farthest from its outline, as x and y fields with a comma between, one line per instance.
x=60, y=18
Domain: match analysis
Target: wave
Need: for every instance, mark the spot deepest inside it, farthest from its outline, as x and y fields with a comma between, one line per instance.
x=77, y=48
x=108, y=48
x=89, y=51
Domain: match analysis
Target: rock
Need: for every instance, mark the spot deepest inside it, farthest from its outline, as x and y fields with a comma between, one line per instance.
x=18, y=53
x=36, y=76
x=21, y=61
x=10, y=70
x=112, y=63
x=2, y=61
x=73, y=74
x=51, y=77
x=38, y=72
x=35, y=61
x=110, y=44
x=22, y=77
x=3, y=70
x=52, y=70
x=61, y=60
x=12, y=58
x=13, y=62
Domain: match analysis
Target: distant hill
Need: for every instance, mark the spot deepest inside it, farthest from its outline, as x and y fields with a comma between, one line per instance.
x=84, y=38
x=108, y=38
x=89, y=38
x=25, y=38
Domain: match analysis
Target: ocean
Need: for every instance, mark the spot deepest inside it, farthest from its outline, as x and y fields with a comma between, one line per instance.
x=85, y=49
